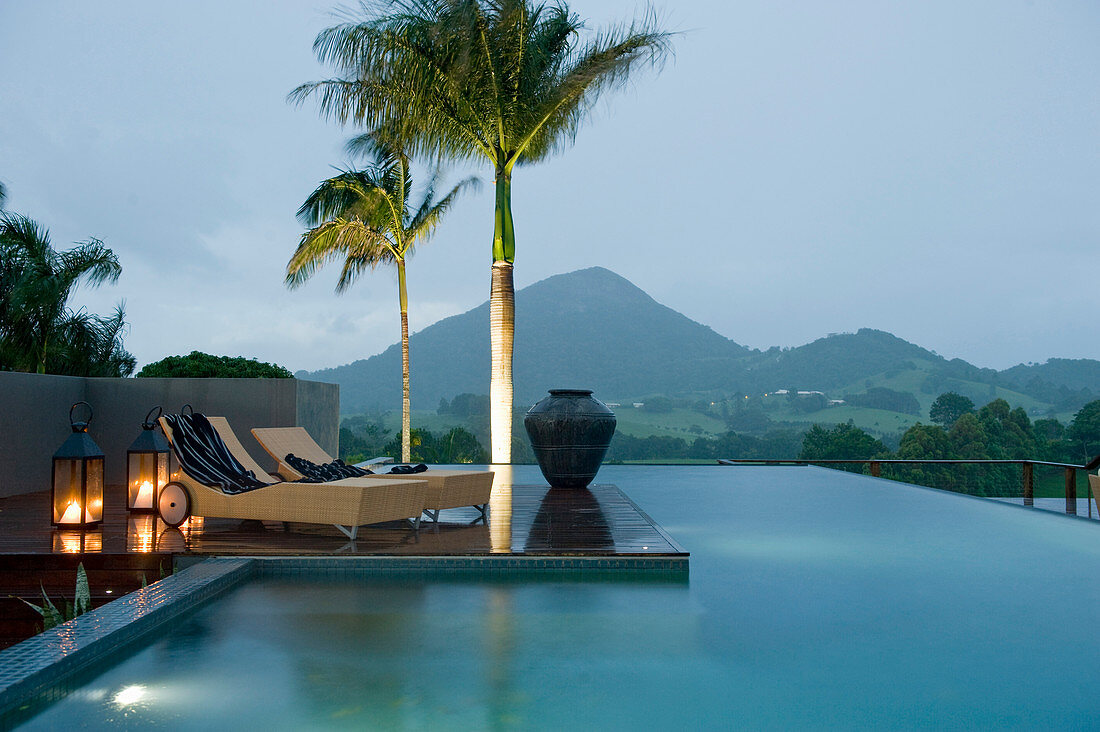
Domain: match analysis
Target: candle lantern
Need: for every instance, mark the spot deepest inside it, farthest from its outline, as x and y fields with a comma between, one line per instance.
x=146, y=466
x=77, y=491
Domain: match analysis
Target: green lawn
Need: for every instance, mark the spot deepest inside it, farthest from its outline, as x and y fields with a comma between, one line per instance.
x=875, y=421
x=684, y=423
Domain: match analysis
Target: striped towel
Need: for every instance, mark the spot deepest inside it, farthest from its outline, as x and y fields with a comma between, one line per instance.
x=204, y=456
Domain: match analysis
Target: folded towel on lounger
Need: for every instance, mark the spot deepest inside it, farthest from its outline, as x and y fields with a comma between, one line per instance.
x=336, y=470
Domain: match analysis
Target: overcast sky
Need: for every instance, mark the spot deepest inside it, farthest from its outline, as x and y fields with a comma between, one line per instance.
x=799, y=168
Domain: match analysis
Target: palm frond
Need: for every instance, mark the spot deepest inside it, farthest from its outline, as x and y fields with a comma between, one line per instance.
x=91, y=261
x=349, y=239
x=428, y=216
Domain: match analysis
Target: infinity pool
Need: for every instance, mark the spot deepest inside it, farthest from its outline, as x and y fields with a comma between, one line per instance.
x=816, y=599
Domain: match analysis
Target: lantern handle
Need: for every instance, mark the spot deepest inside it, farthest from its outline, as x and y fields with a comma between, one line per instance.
x=149, y=424
x=80, y=426
x=187, y=409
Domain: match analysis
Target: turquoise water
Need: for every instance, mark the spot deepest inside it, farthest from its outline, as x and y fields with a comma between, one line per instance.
x=816, y=600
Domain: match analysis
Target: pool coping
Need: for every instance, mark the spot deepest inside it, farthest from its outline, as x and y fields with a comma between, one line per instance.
x=32, y=671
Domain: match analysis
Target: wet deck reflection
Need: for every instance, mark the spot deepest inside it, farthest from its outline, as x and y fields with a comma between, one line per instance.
x=523, y=520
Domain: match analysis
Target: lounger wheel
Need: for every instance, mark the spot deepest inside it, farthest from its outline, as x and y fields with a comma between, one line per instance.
x=174, y=504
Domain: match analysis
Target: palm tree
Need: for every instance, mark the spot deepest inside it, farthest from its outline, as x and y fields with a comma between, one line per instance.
x=507, y=81
x=38, y=332
x=363, y=217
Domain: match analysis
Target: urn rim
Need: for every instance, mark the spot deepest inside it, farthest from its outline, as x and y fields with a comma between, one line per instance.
x=570, y=392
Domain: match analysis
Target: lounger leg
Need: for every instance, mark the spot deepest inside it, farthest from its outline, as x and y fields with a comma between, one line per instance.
x=415, y=523
x=350, y=532
x=433, y=515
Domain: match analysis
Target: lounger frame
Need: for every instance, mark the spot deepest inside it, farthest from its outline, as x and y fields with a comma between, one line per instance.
x=446, y=488
x=346, y=504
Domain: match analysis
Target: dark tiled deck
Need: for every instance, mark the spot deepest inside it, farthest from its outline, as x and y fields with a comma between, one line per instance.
x=524, y=520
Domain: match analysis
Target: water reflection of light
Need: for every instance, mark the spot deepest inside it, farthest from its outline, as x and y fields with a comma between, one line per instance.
x=129, y=695
x=77, y=542
x=500, y=510
x=141, y=533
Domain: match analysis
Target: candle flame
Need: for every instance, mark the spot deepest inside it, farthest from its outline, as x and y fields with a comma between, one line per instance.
x=145, y=496
x=72, y=514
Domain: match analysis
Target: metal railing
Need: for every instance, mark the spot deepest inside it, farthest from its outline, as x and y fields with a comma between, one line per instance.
x=1026, y=482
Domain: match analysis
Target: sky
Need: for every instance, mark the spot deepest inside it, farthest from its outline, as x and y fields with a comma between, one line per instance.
x=798, y=168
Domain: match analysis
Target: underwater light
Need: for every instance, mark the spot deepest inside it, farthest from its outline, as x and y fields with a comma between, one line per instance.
x=129, y=695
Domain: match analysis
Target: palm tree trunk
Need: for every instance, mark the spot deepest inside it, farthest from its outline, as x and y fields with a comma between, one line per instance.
x=502, y=326
x=502, y=323
x=406, y=409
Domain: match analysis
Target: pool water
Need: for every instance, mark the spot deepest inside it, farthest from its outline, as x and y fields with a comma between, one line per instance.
x=816, y=599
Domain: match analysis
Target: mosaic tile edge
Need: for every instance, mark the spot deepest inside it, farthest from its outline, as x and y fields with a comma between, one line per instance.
x=31, y=667
x=491, y=565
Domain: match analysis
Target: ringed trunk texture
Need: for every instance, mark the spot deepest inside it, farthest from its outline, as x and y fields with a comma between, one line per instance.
x=406, y=408
x=502, y=325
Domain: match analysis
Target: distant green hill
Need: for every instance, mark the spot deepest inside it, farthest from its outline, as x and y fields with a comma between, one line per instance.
x=590, y=328
x=594, y=329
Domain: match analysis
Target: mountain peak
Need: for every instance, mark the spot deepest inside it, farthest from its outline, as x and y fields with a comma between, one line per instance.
x=590, y=326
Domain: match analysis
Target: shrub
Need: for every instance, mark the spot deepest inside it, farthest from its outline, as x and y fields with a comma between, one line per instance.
x=205, y=366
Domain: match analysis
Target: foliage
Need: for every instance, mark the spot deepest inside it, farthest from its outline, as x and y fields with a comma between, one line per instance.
x=82, y=603
x=775, y=444
x=362, y=437
x=199, y=365
x=806, y=403
x=948, y=407
x=38, y=330
x=880, y=397
x=457, y=445
x=465, y=406
x=1084, y=431
x=658, y=404
x=506, y=82
x=363, y=218
x=842, y=442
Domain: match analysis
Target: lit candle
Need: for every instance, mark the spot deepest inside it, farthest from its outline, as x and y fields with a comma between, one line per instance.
x=145, y=496
x=96, y=506
x=72, y=514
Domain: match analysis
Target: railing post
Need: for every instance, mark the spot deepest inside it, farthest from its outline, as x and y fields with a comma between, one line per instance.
x=1071, y=491
x=876, y=468
x=1029, y=497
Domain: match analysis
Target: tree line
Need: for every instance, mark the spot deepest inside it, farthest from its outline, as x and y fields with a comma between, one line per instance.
x=41, y=331
x=996, y=431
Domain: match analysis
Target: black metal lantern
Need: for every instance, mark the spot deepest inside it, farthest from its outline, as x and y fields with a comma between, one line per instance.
x=77, y=491
x=146, y=466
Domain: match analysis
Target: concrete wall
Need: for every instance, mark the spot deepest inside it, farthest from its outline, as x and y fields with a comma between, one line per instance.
x=34, y=416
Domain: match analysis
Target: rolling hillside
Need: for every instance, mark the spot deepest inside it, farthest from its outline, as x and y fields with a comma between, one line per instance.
x=594, y=329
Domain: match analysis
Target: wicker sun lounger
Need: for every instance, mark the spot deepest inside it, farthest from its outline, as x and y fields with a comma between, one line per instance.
x=346, y=504
x=446, y=488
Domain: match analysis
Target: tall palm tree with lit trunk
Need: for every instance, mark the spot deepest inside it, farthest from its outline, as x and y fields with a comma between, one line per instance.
x=507, y=81
x=363, y=217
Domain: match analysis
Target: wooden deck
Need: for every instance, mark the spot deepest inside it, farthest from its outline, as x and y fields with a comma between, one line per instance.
x=126, y=549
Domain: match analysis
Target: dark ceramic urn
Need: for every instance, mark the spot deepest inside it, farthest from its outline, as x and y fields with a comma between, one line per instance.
x=570, y=432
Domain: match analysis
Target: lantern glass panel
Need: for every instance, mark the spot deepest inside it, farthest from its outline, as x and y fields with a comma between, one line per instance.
x=68, y=475
x=148, y=473
x=94, y=509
